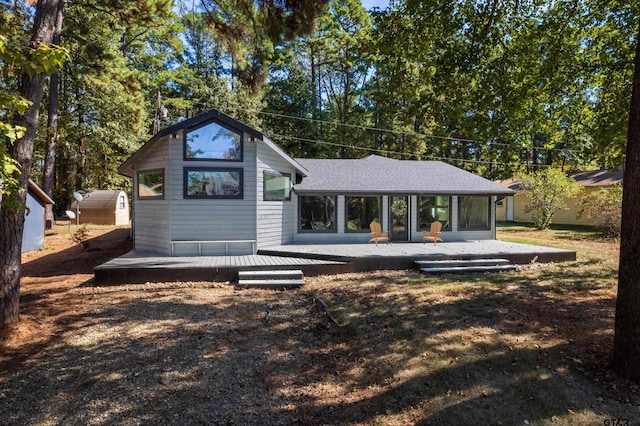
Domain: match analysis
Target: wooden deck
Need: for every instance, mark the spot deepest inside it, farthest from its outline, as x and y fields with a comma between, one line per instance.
x=136, y=267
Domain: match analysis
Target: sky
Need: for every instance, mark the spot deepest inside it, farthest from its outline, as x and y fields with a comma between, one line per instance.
x=370, y=4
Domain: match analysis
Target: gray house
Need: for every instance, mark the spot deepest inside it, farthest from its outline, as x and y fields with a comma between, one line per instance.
x=211, y=185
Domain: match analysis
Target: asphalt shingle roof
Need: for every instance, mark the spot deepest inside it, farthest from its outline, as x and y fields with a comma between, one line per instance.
x=375, y=174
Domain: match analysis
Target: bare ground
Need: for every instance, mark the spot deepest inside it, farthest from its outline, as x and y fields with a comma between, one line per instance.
x=529, y=347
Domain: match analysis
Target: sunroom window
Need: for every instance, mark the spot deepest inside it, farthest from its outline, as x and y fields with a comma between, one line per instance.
x=213, y=142
x=434, y=208
x=361, y=211
x=317, y=213
x=473, y=213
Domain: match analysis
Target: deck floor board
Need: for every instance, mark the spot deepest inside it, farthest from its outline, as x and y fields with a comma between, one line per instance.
x=317, y=259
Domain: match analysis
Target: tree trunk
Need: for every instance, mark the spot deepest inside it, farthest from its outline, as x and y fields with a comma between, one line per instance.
x=12, y=220
x=626, y=345
x=48, y=173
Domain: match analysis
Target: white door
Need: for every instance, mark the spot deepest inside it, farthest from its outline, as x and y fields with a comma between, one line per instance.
x=510, y=208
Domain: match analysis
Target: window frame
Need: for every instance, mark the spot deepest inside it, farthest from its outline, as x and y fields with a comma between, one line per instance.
x=273, y=173
x=185, y=140
x=346, y=213
x=238, y=170
x=488, y=200
x=148, y=172
x=318, y=231
x=449, y=197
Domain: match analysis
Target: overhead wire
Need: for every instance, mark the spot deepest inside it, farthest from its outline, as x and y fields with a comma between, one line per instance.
x=401, y=132
x=405, y=154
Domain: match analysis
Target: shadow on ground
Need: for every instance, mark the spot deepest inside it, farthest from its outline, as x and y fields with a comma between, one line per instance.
x=200, y=355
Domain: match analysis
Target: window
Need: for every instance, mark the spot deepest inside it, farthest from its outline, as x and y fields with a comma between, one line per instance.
x=473, y=213
x=122, y=202
x=361, y=211
x=434, y=208
x=213, y=142
x=151, y=184
x=317, y=213
x=277, y=186
x=212, y=183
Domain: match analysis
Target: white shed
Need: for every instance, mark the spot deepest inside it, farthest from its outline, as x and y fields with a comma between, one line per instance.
x=34, y=221
x=103, y=207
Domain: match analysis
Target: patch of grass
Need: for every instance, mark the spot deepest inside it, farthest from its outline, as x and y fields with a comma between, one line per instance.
x=531, y=345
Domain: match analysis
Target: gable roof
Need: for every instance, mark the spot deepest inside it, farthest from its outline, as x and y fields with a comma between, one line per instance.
x=598, y=177
x=38, y=192
x=588, y=178
x=126, y=168
x=375, y=174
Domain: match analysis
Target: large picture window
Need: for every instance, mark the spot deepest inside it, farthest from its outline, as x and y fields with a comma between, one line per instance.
x=212, y=183
x=434, y=208
x=151, y=184
x=317, y=213
x=213, y=142
x=277, y=186
x=361, y=211
x=473, y=213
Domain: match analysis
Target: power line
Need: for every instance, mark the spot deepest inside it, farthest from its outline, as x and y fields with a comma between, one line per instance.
x=403, y=132
x=406, y=154
x=377, y=129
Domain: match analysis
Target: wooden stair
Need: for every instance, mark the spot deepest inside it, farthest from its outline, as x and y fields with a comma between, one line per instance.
x=274, y=279
x=464, y=266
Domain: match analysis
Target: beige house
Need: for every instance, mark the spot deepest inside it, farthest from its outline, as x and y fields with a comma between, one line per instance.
x=511, y=208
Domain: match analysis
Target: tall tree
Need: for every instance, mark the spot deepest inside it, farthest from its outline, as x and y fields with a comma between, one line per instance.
x=12, y=219
x=626, y=346
x=48, y=172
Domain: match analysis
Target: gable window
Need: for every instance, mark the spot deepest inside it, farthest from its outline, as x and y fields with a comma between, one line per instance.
x=473, y=213
x=151, y=184
x=361, y=211
x=121, y=201
x=317, y=213
x=213, y=142
x=277, y=186
x=208, y=182
x=434, y=208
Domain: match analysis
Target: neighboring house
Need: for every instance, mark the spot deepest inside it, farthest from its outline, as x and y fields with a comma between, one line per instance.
x=211, y=185
x=104, y=207
x=511, y=208
x=34, y=221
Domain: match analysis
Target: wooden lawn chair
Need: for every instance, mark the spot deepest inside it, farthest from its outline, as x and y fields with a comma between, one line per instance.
x=434, y=233
x=376, y=233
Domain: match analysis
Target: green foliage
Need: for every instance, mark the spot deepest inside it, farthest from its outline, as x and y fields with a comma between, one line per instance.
x=604, y=209
x=41, y=59
x=547, y=191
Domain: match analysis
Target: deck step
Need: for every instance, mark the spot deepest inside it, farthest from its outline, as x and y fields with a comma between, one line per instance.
x=459, y=262
x=464, y=266
x=465, y=269
x=275, y=279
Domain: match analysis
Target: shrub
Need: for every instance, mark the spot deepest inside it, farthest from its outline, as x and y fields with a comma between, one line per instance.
x=547, y=191
x=604, y=209
x=81, y=235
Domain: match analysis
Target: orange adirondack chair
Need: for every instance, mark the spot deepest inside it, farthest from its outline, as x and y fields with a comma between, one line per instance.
x=434, y=233
x=376, y=233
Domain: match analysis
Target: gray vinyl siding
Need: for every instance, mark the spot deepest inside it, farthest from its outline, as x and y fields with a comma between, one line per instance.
x=212, y=219
x=151, y=217
x=274, y=218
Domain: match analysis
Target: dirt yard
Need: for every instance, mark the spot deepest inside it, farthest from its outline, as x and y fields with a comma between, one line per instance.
x=524, y=347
